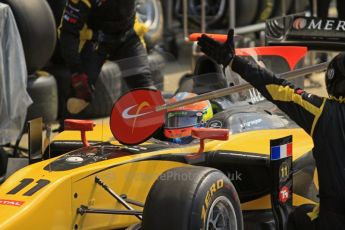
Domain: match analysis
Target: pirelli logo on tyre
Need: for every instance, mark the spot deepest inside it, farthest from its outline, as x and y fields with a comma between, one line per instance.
x=299, y=23
x=212, y=190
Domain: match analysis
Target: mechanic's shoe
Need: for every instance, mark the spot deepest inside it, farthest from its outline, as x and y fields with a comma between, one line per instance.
x=76, y=105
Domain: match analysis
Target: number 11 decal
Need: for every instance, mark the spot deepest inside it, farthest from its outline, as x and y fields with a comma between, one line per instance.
x=25, y=182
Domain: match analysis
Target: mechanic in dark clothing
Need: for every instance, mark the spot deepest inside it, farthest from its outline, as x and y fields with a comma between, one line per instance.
x=322, y=118
x=92, y=31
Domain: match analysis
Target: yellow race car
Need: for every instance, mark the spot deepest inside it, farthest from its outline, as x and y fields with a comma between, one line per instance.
x=246, y=169
x=111, y=186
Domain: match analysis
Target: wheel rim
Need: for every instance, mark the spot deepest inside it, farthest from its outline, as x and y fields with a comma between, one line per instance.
x=147, y=12
x=221, y=215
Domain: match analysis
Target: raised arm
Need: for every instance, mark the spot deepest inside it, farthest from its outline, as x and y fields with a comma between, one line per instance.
x=300, y=106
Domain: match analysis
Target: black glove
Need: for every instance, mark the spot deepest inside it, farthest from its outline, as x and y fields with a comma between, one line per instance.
x=222, y=53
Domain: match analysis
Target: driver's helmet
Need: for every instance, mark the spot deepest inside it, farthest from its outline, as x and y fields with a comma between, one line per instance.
x=180, y=121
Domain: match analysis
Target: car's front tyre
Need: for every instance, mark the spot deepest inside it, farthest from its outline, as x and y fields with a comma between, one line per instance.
x=192, y=198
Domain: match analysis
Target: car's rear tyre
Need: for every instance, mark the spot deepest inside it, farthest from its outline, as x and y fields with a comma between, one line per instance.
x=192, y=198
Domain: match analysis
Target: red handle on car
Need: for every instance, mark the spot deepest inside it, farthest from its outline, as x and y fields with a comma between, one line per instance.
x=218, y=37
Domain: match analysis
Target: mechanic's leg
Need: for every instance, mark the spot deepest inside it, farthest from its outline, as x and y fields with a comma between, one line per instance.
x=132, y=59
x=341, y=9
x=93, y=58
x=299, y=220
x=83, y=85
x=322, y=8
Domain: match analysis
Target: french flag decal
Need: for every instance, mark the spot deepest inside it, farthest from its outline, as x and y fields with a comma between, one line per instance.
x=281, y=148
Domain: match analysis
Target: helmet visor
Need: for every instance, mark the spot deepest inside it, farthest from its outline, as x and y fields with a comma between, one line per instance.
x=180, y=119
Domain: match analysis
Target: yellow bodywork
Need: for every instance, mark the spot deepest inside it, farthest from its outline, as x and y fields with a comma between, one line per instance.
x=54, y=205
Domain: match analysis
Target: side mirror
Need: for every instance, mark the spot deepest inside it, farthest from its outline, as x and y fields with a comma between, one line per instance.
x=35, y=140
x=209, y=133
x=80, y=125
